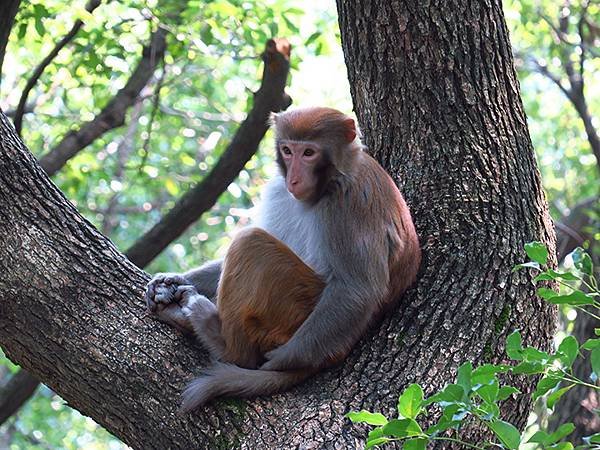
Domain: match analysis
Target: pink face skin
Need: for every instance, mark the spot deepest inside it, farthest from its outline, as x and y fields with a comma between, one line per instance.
x=300, y=159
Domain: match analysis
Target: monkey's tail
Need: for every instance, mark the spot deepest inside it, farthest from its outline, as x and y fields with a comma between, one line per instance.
x=231, y=380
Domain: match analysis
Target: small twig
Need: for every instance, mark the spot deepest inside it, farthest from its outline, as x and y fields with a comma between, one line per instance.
x=155, y=107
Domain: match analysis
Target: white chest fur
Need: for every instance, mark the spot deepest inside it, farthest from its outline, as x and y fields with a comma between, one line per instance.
x=292, y=222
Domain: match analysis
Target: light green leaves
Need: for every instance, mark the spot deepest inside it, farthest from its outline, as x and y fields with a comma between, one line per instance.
x=537, y=252
x=367, y=417
x=410, y=402
x=507, y=433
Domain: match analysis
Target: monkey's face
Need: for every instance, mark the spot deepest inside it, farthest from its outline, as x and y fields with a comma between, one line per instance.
x=300, y=163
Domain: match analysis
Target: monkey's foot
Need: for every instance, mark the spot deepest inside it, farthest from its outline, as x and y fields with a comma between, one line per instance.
x=195, y=306
x=161, y=290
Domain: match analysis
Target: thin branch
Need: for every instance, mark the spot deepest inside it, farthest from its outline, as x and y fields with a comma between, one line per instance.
x=113, y=114
x=270, y=97
x=155, y=107
x=39, y=70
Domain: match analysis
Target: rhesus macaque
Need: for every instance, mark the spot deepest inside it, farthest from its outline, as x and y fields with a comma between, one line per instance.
x=334, y=246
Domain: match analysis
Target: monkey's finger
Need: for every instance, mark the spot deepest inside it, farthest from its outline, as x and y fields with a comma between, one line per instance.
x=183, y=292
x=173, y=278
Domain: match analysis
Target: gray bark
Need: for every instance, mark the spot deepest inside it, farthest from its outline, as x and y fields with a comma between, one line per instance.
x=437, y=97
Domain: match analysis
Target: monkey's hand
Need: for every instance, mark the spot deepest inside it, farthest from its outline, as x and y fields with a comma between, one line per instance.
x=161, y=290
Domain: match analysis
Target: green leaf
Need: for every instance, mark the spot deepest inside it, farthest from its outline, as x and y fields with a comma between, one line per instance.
x=540, y=437
x=561, y=446
x=597, y=331
x=568, y=349
x=410, y=402
x=555, y=396
x=489, y=393
x=378, y=441
x=568, y=276
x=546, y=293
x=464, y=375
x=367, y=417
x=563, y=431
x=595, y=360
x=171, y=186
x=591, y=344
x=402, y=428
x=529, y=368
x=575, y=298
x=507, y=391
x=546, y=383
x=415, y=444
x=514, y=346
x=507, y=433
x=312, y=38
x=443, y=425
x=488, y=411
x=486, y=373
x=537, y=252
x=593, y=439
x=544, y=276
x=452, y=393
x=39, y=26
x=582, y=261
x=533, y=354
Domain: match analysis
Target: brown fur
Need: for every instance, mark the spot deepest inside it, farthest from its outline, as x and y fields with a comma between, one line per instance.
x=265, y=293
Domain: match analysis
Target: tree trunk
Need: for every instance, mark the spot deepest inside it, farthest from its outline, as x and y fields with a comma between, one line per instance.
x=437, y=97
x=70, y=304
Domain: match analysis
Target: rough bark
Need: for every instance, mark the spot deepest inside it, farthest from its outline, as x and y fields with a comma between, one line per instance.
x=39, y=70
x=113, y=114
x=8, y=11
x=270, y=97
x=437, y=97
x=70, y=304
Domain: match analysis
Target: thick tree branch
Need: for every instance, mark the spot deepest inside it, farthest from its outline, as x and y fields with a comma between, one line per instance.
x=270, y=97
x=17, y=391
x=113, y=114
x=39, y=70
x=8, y=11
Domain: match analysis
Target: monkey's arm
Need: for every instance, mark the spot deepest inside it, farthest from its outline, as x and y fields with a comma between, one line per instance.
x=206, y=278
x=353, y=295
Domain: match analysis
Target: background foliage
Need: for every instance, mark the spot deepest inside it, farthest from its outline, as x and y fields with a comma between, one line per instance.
x=184, y=118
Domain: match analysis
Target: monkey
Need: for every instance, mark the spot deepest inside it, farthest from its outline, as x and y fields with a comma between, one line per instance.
x=333, y=248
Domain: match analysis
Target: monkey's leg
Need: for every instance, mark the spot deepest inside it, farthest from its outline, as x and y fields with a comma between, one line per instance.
x=265, y=293
x=203, y=319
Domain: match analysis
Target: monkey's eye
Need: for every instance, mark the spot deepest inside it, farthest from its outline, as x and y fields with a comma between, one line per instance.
x=309, y=152
x=286, y=150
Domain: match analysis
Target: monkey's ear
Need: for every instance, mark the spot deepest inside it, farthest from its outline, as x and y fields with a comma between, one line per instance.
x=273, y=119
x=349, y=129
